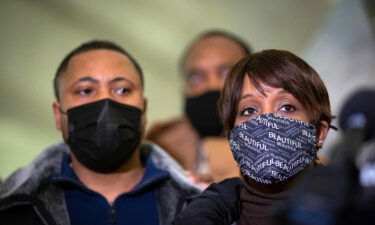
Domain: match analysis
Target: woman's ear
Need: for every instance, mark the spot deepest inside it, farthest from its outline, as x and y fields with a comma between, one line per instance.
x=322, y=133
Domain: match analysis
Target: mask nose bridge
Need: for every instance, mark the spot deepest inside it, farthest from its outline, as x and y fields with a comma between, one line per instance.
x=106, y=111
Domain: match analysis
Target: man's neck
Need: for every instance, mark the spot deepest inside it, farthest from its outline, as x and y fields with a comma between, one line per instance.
x=111, y=185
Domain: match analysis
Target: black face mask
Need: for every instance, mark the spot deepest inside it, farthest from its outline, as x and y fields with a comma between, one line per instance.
x=203, y=115
x=104, y=134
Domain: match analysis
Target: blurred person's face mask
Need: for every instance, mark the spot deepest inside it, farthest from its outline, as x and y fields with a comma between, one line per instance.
x=104, y=134
x=203, y=115
x=272, y=148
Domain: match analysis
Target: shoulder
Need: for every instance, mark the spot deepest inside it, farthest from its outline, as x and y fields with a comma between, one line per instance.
x=24, y=209
x=172, y=192
x=162, y=160
x=173, y=127
x=27, y=179
x=219, y=204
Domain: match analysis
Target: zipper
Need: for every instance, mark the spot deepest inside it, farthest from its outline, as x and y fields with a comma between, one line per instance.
x=112, y=215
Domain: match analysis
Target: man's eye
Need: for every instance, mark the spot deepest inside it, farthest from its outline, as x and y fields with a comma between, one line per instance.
x=195, y=79
x=122, y=91
x=224, y=72
x=288, y=108
x=85, y=91
x=248, y=111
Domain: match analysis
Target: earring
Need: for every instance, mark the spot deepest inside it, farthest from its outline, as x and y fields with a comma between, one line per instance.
x=320, y=144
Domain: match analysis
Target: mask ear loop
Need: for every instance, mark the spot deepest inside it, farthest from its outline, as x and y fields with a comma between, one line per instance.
x=320, y=142
x=65, y=113
x=333, y=127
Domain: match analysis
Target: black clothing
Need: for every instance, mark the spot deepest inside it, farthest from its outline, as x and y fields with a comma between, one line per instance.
x=258, y=207
x=29, y=196
x=218, y=205
x=230, y=201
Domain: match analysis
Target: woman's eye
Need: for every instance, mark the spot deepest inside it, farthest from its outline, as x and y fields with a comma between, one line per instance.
x=122, y=91
x=248, y=111
x=288, y=108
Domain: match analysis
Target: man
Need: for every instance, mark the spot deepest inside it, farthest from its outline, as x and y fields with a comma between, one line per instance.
x=196, y=140
x=101, y=174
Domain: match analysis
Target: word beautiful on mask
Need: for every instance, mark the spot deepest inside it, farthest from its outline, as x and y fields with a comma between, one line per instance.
x=272, y=148
x=104, y=134
x=203, y=115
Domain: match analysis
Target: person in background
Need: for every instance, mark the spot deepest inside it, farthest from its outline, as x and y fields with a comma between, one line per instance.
x=196, y=139
x=102, y=173
x=276, y=110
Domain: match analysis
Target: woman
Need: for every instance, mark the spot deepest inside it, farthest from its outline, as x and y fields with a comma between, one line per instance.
x=277, y=113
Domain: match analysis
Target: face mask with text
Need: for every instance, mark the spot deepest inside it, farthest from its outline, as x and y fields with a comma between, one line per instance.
x=272, y=148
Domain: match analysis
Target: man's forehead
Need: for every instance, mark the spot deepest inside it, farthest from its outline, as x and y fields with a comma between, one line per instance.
x=216, y=41
x=101, y=62
x=98, y=57
x=215, y=46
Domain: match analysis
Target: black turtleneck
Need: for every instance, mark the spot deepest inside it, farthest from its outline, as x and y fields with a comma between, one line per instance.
x=258, y=207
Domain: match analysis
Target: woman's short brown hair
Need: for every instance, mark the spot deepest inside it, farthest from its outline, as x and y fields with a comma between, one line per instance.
x=278, y=69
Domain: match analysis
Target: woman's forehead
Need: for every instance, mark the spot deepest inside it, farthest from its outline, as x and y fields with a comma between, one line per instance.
x=263, y=89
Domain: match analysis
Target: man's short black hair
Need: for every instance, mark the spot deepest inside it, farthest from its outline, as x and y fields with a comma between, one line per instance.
x=221, y=33
x=245, y=46
x=89, y=46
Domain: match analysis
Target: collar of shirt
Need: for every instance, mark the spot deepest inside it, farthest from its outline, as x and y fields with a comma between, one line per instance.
x=152, y=175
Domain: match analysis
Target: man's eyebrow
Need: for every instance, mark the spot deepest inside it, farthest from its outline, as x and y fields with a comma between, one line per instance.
x=117, y=79
x=225, y=65
x=89, y=79
x=193, y=70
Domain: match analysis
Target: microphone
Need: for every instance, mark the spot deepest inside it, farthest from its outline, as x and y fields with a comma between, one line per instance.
x=362, y=114
x=332, y=195
x=357, y=122
x=359, y=113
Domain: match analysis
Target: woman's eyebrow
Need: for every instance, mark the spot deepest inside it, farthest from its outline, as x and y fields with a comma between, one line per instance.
x=246, y=96
x=282, y=91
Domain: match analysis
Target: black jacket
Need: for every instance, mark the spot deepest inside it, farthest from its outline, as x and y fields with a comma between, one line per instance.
x=28, y=196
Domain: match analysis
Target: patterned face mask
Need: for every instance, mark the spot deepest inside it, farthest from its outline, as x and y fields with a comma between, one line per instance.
x=272, y=148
